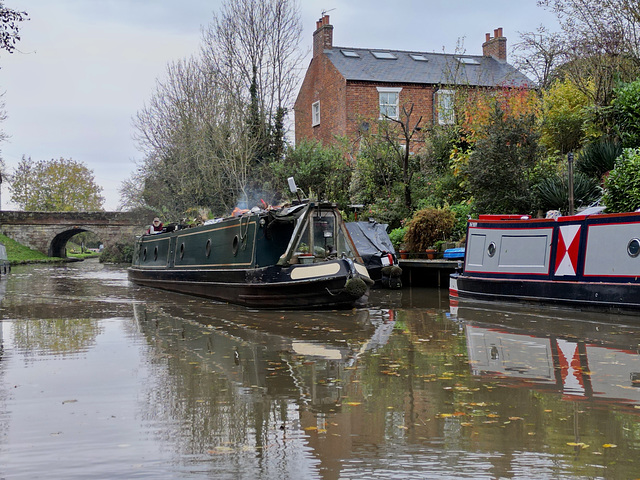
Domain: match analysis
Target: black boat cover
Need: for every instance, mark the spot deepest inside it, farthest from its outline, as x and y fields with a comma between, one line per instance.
x=370, y=238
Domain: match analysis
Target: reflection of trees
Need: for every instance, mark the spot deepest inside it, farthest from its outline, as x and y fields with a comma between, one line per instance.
x=232, y=391
x=57, y=336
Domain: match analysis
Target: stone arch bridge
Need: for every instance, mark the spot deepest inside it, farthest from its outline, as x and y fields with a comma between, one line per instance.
x=49, y=232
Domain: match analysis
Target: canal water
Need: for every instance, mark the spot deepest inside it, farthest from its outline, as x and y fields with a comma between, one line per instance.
x=103, y=379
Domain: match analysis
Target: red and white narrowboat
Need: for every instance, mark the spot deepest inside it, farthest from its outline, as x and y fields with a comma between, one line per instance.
x=585, y=261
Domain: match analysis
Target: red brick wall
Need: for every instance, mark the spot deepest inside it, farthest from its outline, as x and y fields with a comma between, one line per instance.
x=322, y=82
x=363, y=103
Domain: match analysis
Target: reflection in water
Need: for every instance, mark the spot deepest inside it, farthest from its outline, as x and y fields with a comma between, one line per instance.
x=582, y=358
x=256, y=380
x=101, y=379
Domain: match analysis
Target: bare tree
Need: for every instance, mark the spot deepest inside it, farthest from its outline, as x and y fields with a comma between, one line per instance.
x=538, y=54
x=254, y=47
x=408, y=128
x=600, y=43
x=9, y=29
x=206, y=123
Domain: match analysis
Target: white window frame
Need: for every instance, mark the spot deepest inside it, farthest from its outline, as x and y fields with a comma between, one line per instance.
x=384, y=104
x=445, y=109
x=315, y=113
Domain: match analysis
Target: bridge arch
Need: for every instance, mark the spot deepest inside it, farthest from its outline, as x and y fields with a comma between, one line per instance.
x=49, y=232
x=58, y=245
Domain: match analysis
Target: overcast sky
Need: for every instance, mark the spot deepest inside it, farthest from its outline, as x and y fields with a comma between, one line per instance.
x=85, y=67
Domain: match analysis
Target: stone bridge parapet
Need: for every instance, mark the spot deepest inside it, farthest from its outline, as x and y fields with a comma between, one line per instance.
x=49, y=232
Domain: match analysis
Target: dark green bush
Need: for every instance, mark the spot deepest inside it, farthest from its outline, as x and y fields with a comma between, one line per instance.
x=622, y=186
x=120, y=252
x=553, y=192
x=428, y=226
x=599, y=157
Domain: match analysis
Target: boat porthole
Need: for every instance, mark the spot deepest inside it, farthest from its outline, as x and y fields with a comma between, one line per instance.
x=207, y=248
x=633, y=247
x=235, y=246
x=491, y=250
x=155, y=254
x=144, y=255
x=181, y=251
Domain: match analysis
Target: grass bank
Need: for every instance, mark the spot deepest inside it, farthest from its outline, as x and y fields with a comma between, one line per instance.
x=18, y=253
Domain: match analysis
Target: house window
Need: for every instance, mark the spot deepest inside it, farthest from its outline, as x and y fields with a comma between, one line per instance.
x=315, y=113
x=389, y=102
x=446, y=113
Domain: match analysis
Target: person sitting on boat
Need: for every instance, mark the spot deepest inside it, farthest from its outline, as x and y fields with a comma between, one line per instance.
x=156, y=227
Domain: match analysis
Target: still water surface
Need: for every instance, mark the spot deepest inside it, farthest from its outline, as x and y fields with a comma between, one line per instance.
x=103, y=379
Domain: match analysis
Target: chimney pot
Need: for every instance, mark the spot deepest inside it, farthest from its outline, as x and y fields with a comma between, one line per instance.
x=495, y=46
x=323, y=36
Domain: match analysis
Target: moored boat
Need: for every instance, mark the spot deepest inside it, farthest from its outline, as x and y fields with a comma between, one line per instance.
x=585, y=261
x=291, y=257
x=376, y=250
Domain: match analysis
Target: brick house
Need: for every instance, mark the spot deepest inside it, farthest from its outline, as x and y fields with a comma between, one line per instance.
x=343, y=85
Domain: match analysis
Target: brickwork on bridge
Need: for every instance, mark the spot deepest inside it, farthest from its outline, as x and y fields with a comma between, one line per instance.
x=49, y=232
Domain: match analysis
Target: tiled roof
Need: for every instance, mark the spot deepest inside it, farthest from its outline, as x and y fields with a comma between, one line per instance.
x=436, y=69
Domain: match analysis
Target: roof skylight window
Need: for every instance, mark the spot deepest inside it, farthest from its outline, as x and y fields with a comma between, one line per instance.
x=350, y=53
x=384, y=55
x=418, y=57
x=468, y=61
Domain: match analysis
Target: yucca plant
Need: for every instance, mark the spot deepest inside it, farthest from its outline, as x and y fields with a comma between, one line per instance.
x=599, y=157
x=553, y=192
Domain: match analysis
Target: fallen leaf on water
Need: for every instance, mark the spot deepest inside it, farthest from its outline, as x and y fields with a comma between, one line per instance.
x=220, y=450
x=577, y=444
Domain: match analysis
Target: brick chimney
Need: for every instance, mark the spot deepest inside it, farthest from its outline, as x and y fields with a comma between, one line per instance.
x=495, y=46
x=323, y=36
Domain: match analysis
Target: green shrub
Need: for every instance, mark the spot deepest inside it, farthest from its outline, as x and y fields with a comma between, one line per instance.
x=622, y=186
x=397, y=237
x=391, y=212
x=462, y=212
x=428, y=226
x=120, y=252
x=626, y=109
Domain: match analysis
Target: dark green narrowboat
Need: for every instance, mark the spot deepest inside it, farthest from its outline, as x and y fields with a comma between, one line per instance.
x=299, y=256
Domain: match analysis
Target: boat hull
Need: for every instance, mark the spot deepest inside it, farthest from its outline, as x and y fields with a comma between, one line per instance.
x=588, y=262
x=270, y=287
x=600, y=296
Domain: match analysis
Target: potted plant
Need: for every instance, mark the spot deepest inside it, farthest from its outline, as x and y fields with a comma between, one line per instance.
x=303, y=254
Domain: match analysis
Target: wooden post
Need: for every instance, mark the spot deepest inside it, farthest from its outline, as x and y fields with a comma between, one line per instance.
x=570, y=182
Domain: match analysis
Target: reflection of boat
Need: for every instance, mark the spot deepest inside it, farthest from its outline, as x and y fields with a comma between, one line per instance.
x=376, y=250
x=588, y=261
x=580, y=358
x=306, y=356
x=295, y=257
